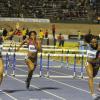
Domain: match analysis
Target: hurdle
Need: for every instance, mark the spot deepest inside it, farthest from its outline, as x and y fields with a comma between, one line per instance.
x=13, y=65
x=74, y=65
x=81, y=76
x=10, y=53
x=46, y=67
x=48, y=63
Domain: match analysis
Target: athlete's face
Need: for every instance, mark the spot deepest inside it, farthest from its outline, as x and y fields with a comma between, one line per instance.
x=94, y=42
x=33, y=35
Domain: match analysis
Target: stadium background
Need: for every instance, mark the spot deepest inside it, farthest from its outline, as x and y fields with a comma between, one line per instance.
x=61, y=11
x=69, y=17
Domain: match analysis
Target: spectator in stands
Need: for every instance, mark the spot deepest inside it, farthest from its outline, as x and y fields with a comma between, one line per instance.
x=5, y=32
x=10, y=33
x=24, y=33
x=1, y=32
x=79, y=35
x=27, y=33
x=46, y=34
x=53, y=31
x=1, y=39
x=61, y=40
x=18, y=35
x=41, y=34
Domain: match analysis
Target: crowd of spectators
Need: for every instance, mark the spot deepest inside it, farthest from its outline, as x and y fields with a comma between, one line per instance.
x=45, y=8
x=53, y=9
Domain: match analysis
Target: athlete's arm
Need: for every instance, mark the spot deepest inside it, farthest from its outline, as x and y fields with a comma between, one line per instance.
x=22, y=43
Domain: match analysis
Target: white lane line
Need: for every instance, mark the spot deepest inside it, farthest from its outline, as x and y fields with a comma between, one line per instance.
x=68, y=85
x=39, y=88
x=64, y=84
x=84, y=78
x=12, y=97
x=64, y=74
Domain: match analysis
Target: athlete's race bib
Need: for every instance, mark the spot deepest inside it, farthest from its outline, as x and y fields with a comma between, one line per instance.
x=91, y=53
x=32, y=48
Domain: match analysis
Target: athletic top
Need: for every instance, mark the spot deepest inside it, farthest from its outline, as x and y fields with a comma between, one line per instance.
x=91, y=52
x=32, y=46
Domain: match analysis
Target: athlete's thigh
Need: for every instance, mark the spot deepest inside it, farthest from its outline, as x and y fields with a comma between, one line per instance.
x=30, y=63
x=89, y=69
x=1, y=66
x=95, y=70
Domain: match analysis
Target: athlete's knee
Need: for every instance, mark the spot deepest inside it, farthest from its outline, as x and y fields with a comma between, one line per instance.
x=1, y=76
x=90, y=76
x=1, y=71
x=89, y=73
x=34, y=67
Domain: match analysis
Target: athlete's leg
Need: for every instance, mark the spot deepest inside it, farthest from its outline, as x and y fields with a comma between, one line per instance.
x=31, y=68
x=1, y=70
x=89, y=70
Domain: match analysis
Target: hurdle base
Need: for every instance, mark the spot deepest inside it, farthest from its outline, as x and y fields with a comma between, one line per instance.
x=47, y=76
x=74, y=77
x=34, y=75
x=12, y=75
x=55, y=76
x=5, y=74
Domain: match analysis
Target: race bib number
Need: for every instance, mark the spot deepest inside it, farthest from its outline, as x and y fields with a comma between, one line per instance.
x=91, y=54
x=32, y=48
